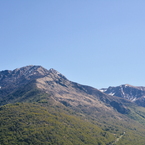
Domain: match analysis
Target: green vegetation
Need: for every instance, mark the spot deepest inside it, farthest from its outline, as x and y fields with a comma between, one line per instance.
x=26, y=123
x=39, y=119
x=27, y=93
x=32, y=123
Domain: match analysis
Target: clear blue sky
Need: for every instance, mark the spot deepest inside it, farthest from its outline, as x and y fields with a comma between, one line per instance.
x=99, y=43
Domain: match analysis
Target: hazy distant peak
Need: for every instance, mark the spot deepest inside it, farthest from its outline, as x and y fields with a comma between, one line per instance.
x=127, y=91
x=127, y=85
x=123, y=85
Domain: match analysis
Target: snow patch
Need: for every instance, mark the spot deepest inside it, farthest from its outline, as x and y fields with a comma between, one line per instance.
x=112, y=94
x=133, y=100
x=122, y=91
x=103, y=90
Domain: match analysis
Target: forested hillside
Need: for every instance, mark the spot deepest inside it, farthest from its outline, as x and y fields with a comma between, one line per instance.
x=25, y=123
x=40, y=106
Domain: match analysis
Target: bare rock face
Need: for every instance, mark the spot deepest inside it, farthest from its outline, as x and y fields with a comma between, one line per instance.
x=18, y=75
x=11, y=80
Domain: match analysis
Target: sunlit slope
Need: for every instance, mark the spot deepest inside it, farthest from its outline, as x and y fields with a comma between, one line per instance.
x=25, y=123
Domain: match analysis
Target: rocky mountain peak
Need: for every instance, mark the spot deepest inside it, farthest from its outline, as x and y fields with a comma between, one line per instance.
x=53, y=71
x=10, y=80
x=132, y=93
x=30, y=70
x=55, y=74
x=55, y=84
x=23, y=75
x=4, y=74
x=127, y=85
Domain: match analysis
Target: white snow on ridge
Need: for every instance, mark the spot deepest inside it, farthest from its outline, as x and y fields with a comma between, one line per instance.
x=103, y=90
x=122, y=91
x=111, y=94
x=133, y=100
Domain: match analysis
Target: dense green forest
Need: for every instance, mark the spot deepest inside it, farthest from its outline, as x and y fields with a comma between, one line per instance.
x=32, y=123
x=26, y=123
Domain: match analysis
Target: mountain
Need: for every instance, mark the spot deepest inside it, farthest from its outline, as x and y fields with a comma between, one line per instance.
x=38, y=103
x=11, y=80
x=18, y=85
x=132, y=93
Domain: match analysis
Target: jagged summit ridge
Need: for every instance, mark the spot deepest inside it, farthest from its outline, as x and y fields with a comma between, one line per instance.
x=27, y=71
x=12, y=79
x=15, y=78
x=54, y=73
x=31, y=70
x=132, y=93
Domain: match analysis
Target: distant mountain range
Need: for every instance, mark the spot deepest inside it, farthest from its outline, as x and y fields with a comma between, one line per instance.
x=133, y=93
x=115, y=111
